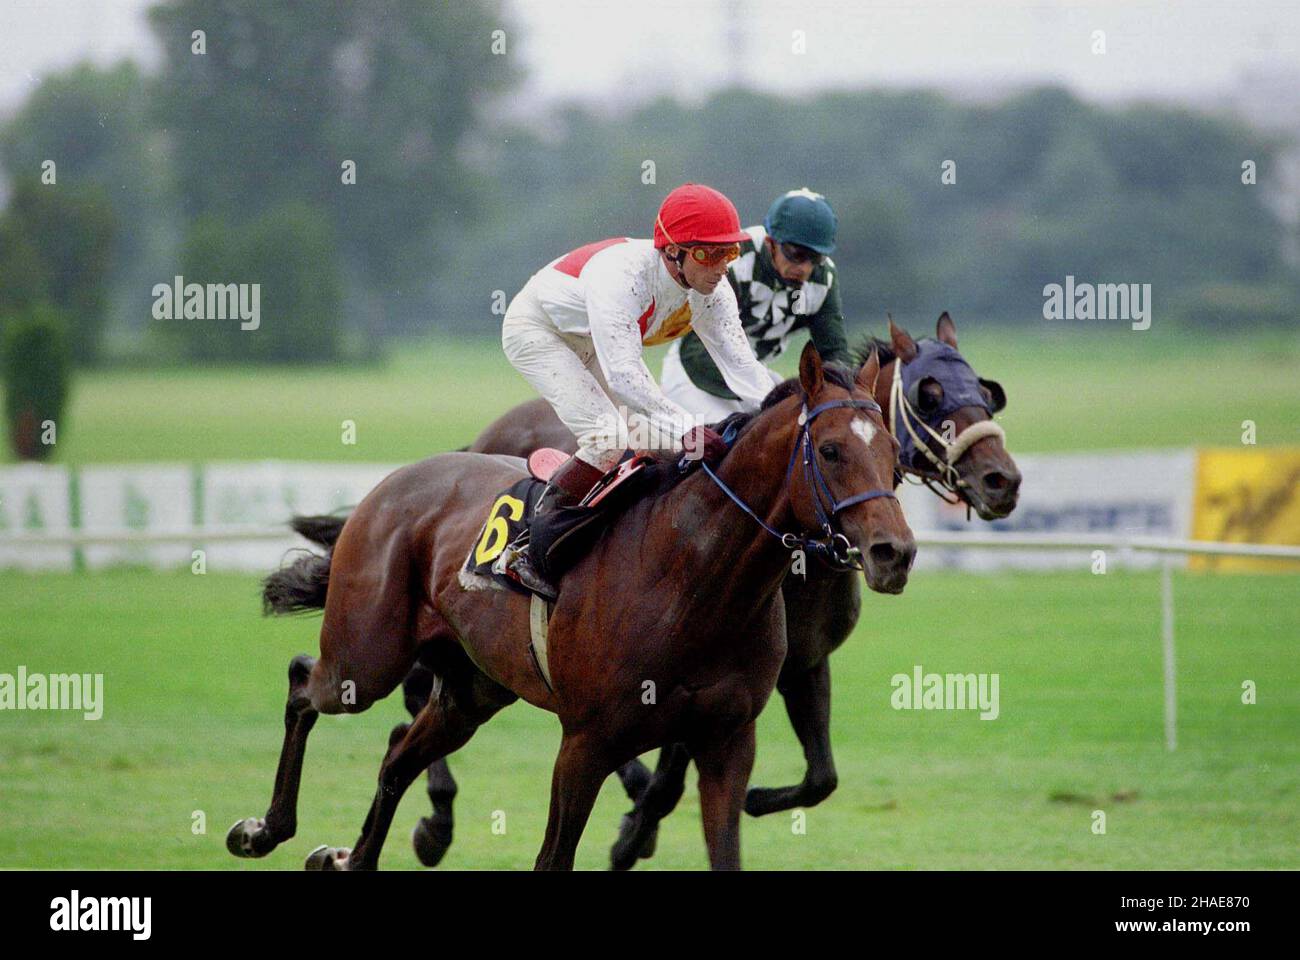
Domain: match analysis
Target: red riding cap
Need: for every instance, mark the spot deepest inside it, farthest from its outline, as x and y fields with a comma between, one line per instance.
x=694, y=213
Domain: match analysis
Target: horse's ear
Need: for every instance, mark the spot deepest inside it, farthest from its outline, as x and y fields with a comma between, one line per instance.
x=869, y=372
x=902, y=342
x=946, y=330
x=997, y=396
x=810, y=370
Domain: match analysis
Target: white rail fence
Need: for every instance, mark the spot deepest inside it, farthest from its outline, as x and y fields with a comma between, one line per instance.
x=1169, y=548
x=1143, y=508
x=196, y=538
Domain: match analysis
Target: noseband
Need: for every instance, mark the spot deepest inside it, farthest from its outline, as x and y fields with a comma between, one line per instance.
x=833, y=546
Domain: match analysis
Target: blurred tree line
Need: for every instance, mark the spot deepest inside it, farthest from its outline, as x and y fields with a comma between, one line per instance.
x=312, y=148
x=232, y=165
x=1045, y=186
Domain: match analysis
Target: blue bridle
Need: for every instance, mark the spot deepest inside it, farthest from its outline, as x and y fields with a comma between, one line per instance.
x=833, y=547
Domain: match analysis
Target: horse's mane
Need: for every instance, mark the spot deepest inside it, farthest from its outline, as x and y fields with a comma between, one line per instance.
x=862, y=352
x=833, y=372
x=665, y=474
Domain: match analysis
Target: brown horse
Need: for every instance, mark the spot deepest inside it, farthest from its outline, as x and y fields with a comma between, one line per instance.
x=680, y=597
x=821, y=610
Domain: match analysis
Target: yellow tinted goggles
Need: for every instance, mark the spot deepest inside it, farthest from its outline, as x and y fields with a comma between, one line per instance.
x=712, y=255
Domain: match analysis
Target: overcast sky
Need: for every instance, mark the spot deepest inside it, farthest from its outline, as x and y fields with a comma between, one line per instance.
x=618, y=52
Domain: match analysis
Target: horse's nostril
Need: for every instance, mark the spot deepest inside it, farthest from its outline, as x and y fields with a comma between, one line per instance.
x=883, y=553
x=995, y=481
x=892, y=557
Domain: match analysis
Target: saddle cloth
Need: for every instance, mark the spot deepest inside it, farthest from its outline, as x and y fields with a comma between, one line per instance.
x=510, y=515
x=561, y=537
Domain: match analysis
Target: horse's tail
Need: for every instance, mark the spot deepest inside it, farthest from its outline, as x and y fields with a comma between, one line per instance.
x=323, y=530
x=301, y=586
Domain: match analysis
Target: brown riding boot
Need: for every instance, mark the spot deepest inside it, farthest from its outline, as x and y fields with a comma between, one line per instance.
x=568, y=485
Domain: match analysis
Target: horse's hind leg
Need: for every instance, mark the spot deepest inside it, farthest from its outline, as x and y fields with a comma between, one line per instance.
x=808, y=702
x=635, y=777
x=432, y=835
x=639, y=829
x=258, y=836
x=444, y=725
x=315, y=687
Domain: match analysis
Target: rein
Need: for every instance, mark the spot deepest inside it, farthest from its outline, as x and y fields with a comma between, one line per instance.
x=833, y=546
x=947, y=476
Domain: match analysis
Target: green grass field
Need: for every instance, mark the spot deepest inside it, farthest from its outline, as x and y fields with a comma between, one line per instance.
x=194, y=690
x=1066, y=391
x=195, y=678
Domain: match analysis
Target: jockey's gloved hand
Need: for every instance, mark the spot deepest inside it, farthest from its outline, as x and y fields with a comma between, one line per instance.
x=703, y=443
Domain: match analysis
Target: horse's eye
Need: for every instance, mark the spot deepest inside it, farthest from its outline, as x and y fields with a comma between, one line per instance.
x=931, y=395
x=830, y=452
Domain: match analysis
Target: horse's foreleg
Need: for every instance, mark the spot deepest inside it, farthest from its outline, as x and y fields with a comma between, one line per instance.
x=808, y=702
x=580, y=769
x=432, y=835
x=258, y=836
x=724, y=773
x=640, y=828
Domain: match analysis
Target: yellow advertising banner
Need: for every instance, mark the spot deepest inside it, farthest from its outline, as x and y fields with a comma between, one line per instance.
x=1247, y=496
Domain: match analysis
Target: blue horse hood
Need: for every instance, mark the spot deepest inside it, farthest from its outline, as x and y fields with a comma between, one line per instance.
x=961, y=388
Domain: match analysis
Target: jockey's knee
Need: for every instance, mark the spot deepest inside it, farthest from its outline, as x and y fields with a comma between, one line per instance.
x=601, y=443
x=603, y=458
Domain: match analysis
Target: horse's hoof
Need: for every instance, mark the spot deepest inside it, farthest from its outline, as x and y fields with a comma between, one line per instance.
x=623, y=855
x=242, y=839
x=328, y=859
x=431, y=840
x=648, y=845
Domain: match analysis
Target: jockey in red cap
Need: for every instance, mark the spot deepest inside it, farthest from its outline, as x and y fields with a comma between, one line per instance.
x=577, y=328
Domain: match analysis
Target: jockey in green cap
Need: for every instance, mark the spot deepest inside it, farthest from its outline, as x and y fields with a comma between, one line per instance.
x=784, y=281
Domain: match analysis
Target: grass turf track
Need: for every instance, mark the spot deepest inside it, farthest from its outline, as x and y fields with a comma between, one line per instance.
x=195, y=685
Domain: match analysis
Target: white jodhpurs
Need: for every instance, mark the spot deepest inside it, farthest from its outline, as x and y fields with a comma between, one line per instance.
x=564, y=369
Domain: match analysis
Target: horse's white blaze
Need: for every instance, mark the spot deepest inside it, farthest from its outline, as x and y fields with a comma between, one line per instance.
x=863, y=428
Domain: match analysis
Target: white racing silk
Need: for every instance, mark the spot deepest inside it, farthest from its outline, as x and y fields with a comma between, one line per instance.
x=577, y=331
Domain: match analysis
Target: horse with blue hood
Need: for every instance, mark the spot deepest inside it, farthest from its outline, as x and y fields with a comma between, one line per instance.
x=939, y=409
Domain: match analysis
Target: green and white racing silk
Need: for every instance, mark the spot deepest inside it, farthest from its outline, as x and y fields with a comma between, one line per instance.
x=772, y=309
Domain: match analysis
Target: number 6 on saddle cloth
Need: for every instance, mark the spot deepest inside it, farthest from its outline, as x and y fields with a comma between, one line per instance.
x=557, y=539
